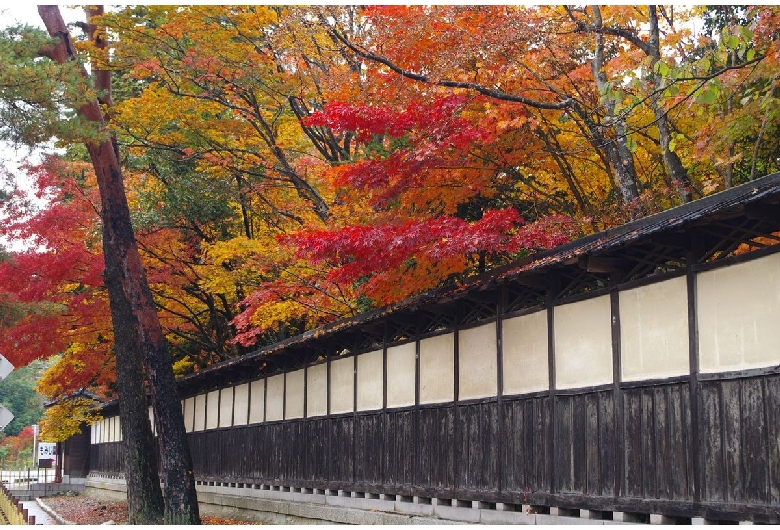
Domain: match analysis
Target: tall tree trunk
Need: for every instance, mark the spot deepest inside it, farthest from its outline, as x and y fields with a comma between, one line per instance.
x=181, y=504
x=144, y=496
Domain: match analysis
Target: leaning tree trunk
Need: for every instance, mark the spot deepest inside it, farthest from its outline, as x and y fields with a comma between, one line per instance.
x=144, y=496
x=181, y=503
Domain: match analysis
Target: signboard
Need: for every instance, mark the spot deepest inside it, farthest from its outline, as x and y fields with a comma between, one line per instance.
x=47, y=450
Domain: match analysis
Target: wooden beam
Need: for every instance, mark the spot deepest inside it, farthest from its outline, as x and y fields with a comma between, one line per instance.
x=763, y=212
x=603, y=264
x=671, y=239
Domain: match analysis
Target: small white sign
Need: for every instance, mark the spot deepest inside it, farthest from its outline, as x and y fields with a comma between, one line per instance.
x=47, y=450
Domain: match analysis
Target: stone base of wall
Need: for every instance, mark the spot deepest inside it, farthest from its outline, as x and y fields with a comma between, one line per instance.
x=281, y=505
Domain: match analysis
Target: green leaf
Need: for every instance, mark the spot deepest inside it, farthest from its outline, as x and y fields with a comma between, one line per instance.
x=661, y=68
x=709, y=96
x=631, y=144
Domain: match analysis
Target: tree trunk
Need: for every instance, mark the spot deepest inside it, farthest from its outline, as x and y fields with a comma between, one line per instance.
x=619, y=155
x=144, y=496
x=672, y=162
x=181, y=504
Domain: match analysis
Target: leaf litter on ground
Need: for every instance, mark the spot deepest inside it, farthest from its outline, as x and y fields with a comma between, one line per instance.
x=85, y=510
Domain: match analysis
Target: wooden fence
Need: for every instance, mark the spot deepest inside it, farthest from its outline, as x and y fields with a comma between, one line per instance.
x=642, y=379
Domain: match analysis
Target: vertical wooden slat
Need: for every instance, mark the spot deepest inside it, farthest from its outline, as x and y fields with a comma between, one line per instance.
x=711, y=448
x=593, y=442
x=648, y=444
x=681, y=454
x=609, y=457
x=754, y=451
x=731, y=436
x=579, y=442
x=632, y=408
x=508, y=449
x=562, y=449
x=772, y=412
x=664, y=473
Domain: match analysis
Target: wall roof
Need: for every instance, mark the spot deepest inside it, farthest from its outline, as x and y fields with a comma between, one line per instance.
x=714, y=227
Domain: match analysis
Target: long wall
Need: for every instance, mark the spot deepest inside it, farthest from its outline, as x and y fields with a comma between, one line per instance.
x=655, y=397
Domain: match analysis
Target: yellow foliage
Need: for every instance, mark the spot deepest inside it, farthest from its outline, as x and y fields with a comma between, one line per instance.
x=65, y=418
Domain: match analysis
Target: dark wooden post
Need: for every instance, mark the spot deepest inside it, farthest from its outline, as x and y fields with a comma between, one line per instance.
x=617, y=391
x=553, y=286
x=695, y=250
x=500, y=445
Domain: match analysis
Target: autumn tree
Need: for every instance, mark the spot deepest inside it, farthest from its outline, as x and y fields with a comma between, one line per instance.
x=135, y=316
x=86, y=122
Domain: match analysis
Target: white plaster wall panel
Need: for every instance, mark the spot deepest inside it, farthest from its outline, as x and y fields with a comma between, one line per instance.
x=477, y=362
x=317, y=390
x=114, y=436
x=583, y=343
x=437, y=369
x=257, y=397
x=342, y=385
x=93, y=431
x=241, y=404
x=118, y=429
x=401, y=374
x=525, y=353
x=200, y=412
x=189, y=414
x=99, y=434
x=294, y=395
x=738, y=311
x=370, y=376
x=104, y=431
x=212, y=409
x=226, y=407
x=654, y=331
x=274, y=401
